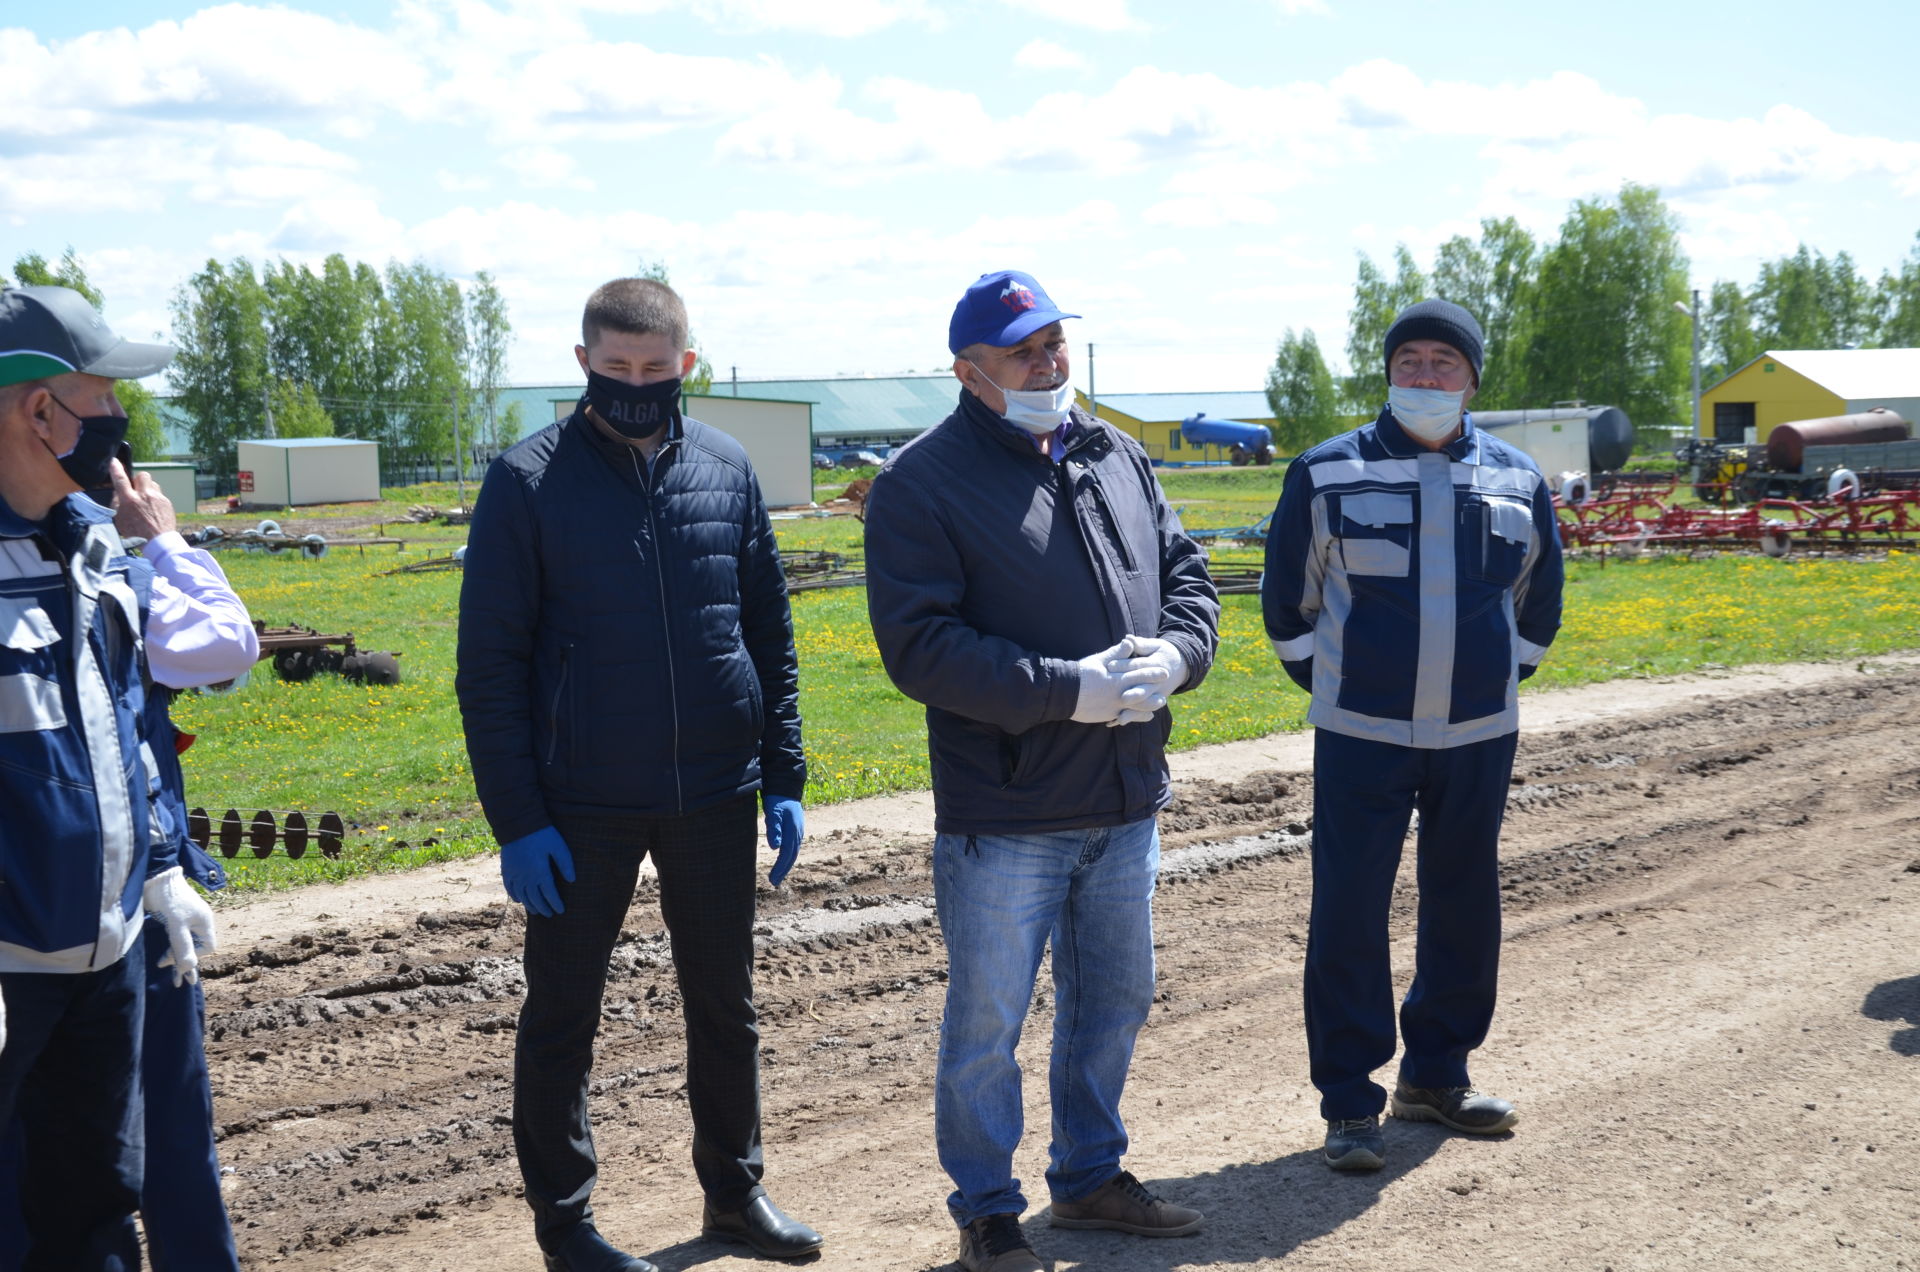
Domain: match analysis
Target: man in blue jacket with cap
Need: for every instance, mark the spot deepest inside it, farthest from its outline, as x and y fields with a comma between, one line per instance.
x=1029, y=583
x=79, y=859
x=1413, y=580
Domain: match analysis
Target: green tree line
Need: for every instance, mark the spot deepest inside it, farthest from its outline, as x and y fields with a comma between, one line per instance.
x=402, y=357
x=1591, y=316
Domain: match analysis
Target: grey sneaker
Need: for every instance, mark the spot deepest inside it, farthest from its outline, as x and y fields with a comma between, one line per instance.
x=1355, y=1143
x=1461, y=1108
x=994, y=1243
x=1124, y=1204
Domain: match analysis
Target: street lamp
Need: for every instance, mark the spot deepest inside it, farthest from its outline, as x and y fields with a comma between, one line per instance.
x=1692, y=314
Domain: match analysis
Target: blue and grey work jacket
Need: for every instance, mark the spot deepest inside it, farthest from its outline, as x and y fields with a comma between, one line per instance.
x=1411, y=590
x=76, y=776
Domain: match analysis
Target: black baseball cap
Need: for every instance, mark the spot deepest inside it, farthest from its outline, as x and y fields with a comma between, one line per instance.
x=48, y=331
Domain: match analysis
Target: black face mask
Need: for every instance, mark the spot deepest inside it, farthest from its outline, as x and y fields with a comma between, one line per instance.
x=633, y=410
x=103, y=495
x=90, y=461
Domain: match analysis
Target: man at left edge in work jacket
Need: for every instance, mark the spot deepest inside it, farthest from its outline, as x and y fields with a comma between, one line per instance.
x=78, y=856
x=627, y=681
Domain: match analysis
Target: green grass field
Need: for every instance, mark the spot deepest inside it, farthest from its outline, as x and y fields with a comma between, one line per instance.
x=392, y=761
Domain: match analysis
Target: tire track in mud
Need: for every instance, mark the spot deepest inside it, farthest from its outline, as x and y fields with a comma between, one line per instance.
x=362, y=1074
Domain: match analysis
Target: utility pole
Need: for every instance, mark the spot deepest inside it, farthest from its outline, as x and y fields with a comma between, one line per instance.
x=1693, y=314
x=1093, y=399
x=266, y=399
x=736, y=381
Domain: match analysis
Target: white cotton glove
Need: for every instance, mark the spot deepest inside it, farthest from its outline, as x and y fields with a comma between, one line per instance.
x=1151, y=651
x=189, y=921
x=1113, y=681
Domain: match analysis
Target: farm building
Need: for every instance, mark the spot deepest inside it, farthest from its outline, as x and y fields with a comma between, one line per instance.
x=1781, y=386
x=285, y=472
x=859, y=410
x=1153, y=419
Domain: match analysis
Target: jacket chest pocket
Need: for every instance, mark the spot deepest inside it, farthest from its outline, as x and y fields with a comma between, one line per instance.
x=29, y=675
x=1496, y=535
x=1376, y=533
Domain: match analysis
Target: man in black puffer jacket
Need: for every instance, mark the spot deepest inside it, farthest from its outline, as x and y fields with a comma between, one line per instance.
x=627, y=681
x=1028, y=582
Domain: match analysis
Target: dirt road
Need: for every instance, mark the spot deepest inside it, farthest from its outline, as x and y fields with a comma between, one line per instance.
x=1710, y=1018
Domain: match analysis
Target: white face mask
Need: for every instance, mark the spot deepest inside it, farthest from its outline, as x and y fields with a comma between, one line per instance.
x=1039, y=411
x=1428, y=414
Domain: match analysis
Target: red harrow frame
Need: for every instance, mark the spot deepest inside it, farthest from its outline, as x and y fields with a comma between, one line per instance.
x=1646, y=516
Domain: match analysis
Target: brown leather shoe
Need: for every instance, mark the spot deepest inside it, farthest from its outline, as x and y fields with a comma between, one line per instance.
x=994, y=1243
x=1124, y=1204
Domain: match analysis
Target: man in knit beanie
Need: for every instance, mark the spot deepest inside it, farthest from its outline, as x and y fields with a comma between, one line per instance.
x=1412, y=580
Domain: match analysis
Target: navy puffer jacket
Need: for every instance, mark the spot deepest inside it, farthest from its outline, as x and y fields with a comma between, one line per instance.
x=625, y=641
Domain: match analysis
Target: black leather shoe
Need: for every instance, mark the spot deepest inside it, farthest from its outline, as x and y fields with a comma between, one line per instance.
x=765, y=1227
x=585, y=1250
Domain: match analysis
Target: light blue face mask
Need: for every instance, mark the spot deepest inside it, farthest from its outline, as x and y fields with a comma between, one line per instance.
x=1426, y=414
x=1039, y=411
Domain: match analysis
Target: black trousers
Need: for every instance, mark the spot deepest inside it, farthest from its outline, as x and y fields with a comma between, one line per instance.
x=705, y=861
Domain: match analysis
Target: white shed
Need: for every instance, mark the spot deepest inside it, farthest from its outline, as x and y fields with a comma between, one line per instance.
x=778, y=437
x=285, y=472
x=176, y=483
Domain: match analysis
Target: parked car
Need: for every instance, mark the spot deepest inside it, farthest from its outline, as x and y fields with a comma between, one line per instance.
x=822, y=460
x=860, y=459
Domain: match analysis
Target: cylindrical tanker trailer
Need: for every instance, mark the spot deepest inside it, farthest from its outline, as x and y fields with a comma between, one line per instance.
x=1787, y=443
x=1594, y=439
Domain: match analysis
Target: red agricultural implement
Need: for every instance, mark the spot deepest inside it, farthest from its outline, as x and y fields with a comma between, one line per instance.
x=1634, y=518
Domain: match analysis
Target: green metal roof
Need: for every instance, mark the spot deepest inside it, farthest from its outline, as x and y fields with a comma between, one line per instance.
x=859, y=407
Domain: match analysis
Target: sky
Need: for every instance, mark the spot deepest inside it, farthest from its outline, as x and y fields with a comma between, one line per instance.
x=823, y=178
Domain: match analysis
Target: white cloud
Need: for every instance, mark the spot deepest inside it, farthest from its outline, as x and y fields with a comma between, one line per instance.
x=460, y=183
x=220, y=163
x=1684, y=154
x=545, y=168
x=354, y=227
x=1097, y=15
x=1211, y=212
x=1295, y=8
x=229, y=62
x=1045, y=55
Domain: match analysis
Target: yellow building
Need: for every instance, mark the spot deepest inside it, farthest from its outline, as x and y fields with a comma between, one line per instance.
x=1153, y=420
x=1782, y=386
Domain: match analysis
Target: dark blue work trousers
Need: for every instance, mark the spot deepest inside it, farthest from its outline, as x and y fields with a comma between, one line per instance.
x=180, y=1204
x=705, y=861
x=71, y=1071
x=1364, y=795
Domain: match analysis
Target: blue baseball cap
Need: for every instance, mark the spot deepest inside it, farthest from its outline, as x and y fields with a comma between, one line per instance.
x=1001, y=310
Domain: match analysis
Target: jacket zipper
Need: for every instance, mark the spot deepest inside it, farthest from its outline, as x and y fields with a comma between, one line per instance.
x=1113, y=524
x=666, y=625
x=559, y=692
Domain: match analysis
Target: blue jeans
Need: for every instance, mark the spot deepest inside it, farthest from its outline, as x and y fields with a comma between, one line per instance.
x=1000, y=898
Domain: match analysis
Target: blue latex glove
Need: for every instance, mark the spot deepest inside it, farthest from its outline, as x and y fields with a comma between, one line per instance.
x=786, y=823
x=527, y=865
